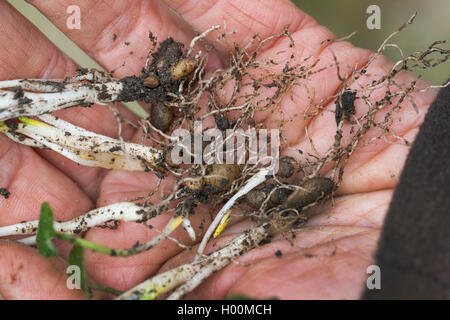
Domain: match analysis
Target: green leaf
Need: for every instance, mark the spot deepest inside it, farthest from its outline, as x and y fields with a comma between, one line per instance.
x=76, y=257
x=46, y=232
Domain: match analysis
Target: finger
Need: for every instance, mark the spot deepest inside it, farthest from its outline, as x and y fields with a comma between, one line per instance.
x=31, y=180
x=26, y=53
x=247, y=18
x=24, y=274
x=116, y=33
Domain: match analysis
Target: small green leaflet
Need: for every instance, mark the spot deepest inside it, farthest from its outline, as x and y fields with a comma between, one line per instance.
x=46, y=232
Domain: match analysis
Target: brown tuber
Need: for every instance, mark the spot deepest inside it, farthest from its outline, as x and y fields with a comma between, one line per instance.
x=255, y=198
x=222, y=176
x=151, y=82
x=219, y=177
x=161, y=116
x=183, y=68
x=286, y=167
x=168, y=53
x=313, y=190
x=194, y=184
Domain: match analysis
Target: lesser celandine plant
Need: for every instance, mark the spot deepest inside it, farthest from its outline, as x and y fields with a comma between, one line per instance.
x=277, y=198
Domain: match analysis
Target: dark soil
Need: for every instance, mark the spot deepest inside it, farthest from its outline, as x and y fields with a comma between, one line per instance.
x=345, y=106
x=167, y=55
x=5, y=193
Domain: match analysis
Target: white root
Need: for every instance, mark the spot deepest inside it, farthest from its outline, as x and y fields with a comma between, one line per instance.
x=122, y=211
x=200, y=36
x=253, y=182
x=84, y=147
x=189, y=229
x=173, y=223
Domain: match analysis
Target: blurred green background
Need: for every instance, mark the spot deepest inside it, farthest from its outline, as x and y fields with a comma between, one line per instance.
x=345, y=16
x=341, y=16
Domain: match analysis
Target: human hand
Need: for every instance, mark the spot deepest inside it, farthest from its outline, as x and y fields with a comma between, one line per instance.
x=330, y=254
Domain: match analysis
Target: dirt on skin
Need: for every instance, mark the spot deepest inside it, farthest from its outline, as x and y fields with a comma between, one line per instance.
x=5, y=193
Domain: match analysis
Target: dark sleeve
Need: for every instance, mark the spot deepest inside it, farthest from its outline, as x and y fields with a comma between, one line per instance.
x=414, y=247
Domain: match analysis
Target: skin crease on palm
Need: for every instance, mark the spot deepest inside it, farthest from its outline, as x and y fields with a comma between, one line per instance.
x=329, y=256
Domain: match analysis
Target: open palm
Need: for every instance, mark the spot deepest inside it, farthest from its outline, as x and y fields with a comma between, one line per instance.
x=328, y=257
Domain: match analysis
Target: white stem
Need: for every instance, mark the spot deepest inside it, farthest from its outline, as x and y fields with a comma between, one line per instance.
x=159, y=284
x=56, y=85
x=221, y=258
x=14, y=136
x=67, y=126
x=28, y=241
x=85, y=147
x=28, y=103
x=253, y=182
x=122, y=211
x=37, y=85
